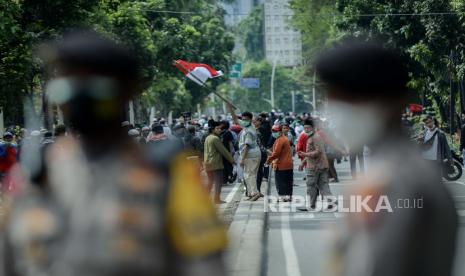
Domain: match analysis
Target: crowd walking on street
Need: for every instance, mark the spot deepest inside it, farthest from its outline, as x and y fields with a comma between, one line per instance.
x=102, y=196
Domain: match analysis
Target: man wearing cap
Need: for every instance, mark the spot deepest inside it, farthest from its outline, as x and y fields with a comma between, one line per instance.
x=157, y=134
x=411, y=228
x=166, y=129
x=301, y=145
x=145, y=132
x=316, y=165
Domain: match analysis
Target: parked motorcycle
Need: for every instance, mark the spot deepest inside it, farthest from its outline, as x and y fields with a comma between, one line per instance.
x=452, y=170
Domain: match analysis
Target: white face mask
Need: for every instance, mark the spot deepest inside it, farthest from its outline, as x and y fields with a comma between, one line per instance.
x=357, y=124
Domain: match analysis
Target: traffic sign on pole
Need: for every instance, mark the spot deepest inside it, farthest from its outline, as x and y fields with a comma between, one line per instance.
x=234, y=75
x=236, y=71
x=250, y=83
x=237, y=67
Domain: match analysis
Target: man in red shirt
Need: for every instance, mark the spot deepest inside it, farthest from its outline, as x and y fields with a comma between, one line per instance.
x=8, y=155
x=301, y=145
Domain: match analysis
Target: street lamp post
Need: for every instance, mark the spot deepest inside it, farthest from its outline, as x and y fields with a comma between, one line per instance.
x=314, y=91
x=293, y=101
x=273, y=71
x=1, y=121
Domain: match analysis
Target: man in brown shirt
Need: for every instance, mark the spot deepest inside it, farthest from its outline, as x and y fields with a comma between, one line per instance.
x=317, y=167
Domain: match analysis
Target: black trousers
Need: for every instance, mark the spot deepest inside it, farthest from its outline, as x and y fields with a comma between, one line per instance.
x=261, y=172
x=284, y=182
x=266, y=172
x=227, y=170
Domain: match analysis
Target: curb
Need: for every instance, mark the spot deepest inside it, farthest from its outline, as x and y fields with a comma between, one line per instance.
x=246, y=255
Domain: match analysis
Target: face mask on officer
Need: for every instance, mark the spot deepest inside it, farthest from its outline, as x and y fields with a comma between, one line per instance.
x=359, y=124
x=88, y=103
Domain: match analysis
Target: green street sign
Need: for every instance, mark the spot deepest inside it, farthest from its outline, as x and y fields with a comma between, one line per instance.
x=234, y=75
x=237, y=67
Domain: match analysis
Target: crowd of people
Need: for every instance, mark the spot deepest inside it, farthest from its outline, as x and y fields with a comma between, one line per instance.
x=108, y=198
x=242, y=148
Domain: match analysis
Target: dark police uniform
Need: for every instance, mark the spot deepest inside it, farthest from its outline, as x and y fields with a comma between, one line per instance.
x=118, y=214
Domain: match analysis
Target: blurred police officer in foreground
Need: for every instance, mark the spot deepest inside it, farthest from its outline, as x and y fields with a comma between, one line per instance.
x=99, y=205
x=367, y=88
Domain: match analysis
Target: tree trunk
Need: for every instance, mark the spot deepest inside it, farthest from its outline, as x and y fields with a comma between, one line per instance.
x=453, y=92
x=442, y=109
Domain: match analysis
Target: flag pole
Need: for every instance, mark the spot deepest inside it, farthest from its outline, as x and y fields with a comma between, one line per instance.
x=208, y=88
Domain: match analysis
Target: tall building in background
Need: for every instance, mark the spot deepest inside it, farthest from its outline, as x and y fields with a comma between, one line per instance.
x=283, y=43
x=238, y=10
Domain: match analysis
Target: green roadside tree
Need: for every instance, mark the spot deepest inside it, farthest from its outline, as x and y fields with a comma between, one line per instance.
x=259, y=99
x=250, y=31
x=427, y=38
x=194, y=32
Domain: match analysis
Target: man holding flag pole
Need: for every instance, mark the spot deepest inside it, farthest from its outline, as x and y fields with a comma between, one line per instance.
x=200, y=73
x=248, y=147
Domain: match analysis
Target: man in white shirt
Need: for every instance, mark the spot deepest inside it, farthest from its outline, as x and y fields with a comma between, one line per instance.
x=434, y=142
x=249, y=152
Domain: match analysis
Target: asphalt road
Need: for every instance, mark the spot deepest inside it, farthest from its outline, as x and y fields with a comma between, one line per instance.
x=299, y=243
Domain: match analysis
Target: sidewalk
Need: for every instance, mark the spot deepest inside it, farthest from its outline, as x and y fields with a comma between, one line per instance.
x=247, y=237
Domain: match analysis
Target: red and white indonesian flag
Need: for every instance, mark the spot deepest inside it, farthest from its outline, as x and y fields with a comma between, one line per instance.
x=197, y=72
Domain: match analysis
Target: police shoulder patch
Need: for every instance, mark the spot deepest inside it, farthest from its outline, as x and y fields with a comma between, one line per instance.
x=193, y=225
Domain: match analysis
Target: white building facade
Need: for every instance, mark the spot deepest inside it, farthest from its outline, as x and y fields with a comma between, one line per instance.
x=238, y=10
x=283, y=44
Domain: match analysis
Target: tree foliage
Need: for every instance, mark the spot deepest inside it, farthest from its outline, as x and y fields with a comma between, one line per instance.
x=426, y=32
x=157, y=38
x=23, y=25
x=258, y=100
x=314, y=19
x=250, y=31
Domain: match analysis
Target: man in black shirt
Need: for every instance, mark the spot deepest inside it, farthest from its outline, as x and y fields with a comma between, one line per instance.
x=227, y=139
x=265, y=131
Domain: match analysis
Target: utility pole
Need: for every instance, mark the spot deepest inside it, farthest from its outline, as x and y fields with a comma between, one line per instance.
x=214, y=103
x=314, y=91
x=2, y=125
x=131, y=112
x=453, y=92
x=293, y=101
x=152, y=115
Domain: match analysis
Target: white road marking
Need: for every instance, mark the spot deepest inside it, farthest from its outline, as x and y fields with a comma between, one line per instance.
x=340, y=215
x=290, y=255
x=232, y=192
x=304, y=216
x=341, y=184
